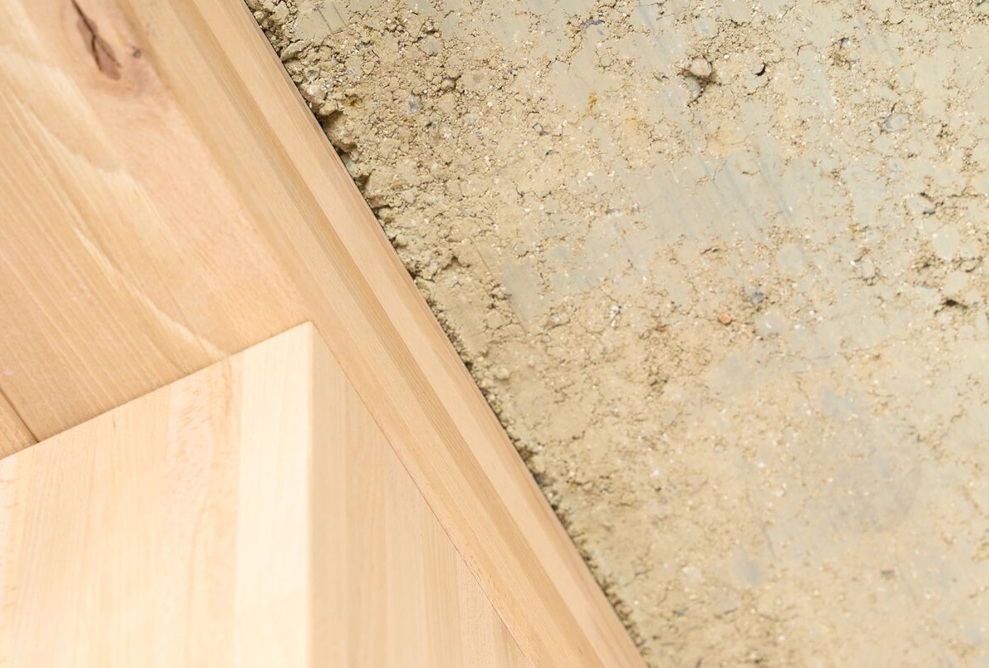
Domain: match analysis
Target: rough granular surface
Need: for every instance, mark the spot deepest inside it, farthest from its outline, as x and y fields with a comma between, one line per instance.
x=720, y=268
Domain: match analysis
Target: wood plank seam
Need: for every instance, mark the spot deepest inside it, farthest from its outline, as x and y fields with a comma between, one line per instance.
x=468, y=559
x=251, y=514
x=15, y=434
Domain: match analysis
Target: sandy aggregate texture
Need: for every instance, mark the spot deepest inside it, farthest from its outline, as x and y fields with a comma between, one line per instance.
x=720, y=268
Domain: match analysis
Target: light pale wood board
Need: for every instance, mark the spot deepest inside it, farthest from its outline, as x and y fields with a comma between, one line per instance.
x=249, y=515
x=392, y=561
x=186, y=205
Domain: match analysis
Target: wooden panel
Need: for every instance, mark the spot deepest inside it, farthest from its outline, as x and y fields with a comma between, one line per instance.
x=127, y=262
x=198, y=526
x=168, y=200
x=124, y=525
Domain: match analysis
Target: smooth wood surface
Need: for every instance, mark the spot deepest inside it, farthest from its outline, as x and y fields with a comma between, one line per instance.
x=170, y=200
x=410, y=598
x=249, y=515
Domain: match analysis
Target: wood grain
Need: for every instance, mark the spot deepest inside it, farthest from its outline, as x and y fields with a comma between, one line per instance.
x=127, y=261
x=391, y=560
x=14, y=434
x=170, y=200
x=249, y=515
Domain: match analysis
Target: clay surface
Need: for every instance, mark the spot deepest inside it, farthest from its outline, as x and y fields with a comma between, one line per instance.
x=720, y=268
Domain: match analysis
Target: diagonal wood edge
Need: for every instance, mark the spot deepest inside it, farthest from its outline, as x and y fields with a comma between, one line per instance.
x=438, y=422
x=195, y=208
x=369, y=519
